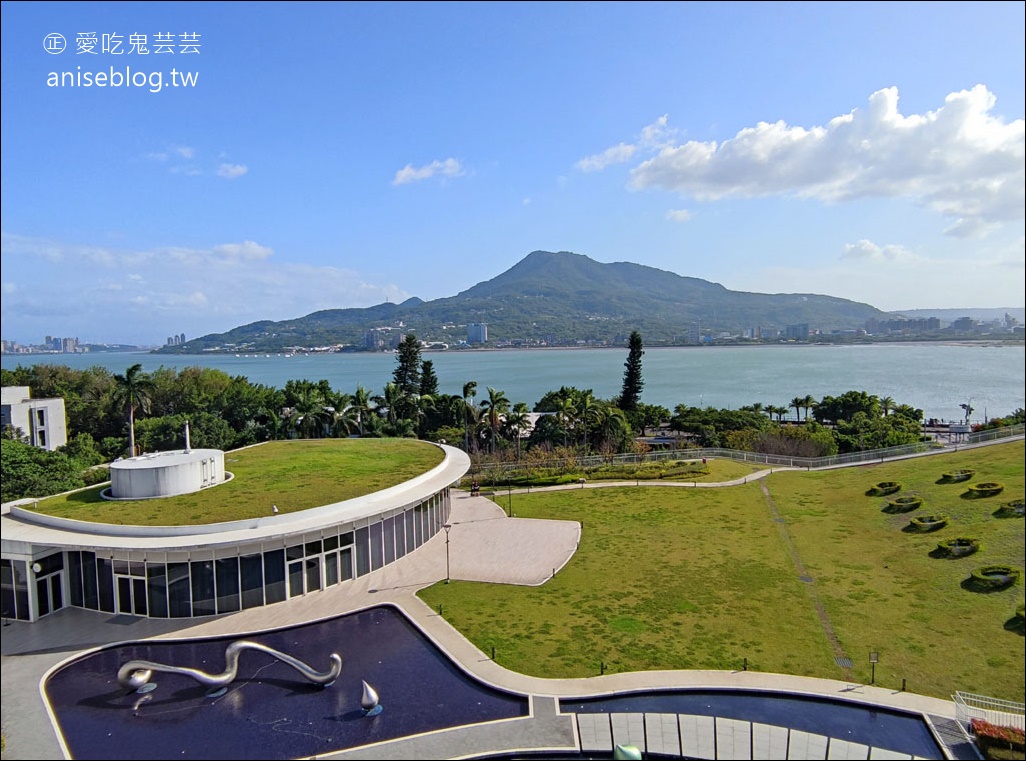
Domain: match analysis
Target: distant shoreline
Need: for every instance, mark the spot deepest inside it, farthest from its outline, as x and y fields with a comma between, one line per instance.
x=1015, y=342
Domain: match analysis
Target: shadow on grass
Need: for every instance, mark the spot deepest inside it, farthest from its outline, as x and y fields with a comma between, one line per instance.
x=939, y=554
x=974, y=585
x=1017, y=625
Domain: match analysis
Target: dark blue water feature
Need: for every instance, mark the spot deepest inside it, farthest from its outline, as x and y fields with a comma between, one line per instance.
x=880, y=728
x=270, y=711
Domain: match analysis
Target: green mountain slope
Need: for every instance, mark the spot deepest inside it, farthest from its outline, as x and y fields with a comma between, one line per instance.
x=558, y=298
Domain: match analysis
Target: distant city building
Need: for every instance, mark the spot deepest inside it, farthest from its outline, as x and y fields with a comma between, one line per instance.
x=798, y=332
x=964, y=325
x=372, y=340
x=903, y=326
x=40, y=422
x=477, y=333
x=694, y=334
x=177, y=340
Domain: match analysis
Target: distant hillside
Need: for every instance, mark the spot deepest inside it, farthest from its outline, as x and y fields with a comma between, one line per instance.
x=950, y=315
x=560, y=299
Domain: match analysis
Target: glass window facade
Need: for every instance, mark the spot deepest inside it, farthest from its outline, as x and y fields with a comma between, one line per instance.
x=204, y=583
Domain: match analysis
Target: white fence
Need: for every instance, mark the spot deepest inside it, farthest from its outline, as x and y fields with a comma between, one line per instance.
x=812, y=463
x=1003, y=713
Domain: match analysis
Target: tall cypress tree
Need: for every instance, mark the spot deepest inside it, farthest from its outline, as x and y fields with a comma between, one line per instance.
x=632, y=380
x=407, y=370
x=406, y=377
x=428, y=379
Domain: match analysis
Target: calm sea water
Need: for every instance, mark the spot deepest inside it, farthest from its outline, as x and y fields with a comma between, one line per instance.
x=936, y=378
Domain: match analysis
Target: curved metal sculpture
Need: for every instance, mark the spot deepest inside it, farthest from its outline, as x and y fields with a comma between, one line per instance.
x=135, y=674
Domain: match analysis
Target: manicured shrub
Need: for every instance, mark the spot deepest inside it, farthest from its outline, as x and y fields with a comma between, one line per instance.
x=954, y=476
x=985, y=489
x=995, y=576
x=903, y=504
x=957, y=548
x=929, y=522
x=884, y=488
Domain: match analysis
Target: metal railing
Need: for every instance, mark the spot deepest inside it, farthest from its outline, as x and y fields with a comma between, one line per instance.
x=1002, y=713
x=784, y=461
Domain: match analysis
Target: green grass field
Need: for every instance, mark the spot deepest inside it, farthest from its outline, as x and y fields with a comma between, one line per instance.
x=294, y=475
x=704, y=578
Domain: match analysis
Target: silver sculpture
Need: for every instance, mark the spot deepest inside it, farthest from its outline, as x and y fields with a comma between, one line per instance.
x=369, y=702
x=136, y=674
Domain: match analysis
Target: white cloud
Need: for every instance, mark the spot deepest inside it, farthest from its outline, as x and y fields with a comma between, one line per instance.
x=678, y=215
x=867, y=251
x=145, y=294
x=449, y=168
x=960, y=161
x=616, y=155
x=653, y=136
x=231, y=171
x=185, y=151
x=893, y=277
x=658, y=134
x=247, y=250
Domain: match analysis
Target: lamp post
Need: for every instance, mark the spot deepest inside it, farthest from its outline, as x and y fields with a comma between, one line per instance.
x=874, y=658
x=447, y=528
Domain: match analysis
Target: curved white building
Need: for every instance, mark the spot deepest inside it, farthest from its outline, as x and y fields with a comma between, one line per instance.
x=49, y=563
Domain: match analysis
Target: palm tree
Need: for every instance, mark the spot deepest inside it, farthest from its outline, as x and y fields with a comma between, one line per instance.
x=345, y=418
x=589, y=414
x=424, y=404
x=309, y=415
x=516, y=421
x=797, y=404
x=132, y=392
x=493, y=408
x=614, y=427
x=391, y=400
x=808, y=402
x=566, y=413
x=886, y=405
x=361, y=403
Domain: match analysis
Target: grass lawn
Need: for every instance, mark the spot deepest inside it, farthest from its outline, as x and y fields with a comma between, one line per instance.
x=683, y=469
x=295, y=475
x=703, y=578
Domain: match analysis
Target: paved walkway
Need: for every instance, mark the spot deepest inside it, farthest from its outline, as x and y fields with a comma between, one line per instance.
x=484, y=545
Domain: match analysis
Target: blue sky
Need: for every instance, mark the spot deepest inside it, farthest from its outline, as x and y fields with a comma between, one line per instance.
x=334, y=155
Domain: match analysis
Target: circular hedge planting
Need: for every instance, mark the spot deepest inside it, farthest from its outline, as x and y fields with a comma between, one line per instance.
x=954, y=476
x=985, y=489
x=958, y=548
x=995, y=576
x=884, y=488
x=1014, y=509
x=903, y=504
x=929, y=522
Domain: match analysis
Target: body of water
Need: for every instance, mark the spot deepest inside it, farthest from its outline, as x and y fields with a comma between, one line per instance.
x=936, y=378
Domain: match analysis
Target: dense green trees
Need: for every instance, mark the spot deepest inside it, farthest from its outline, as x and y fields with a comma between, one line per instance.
x=226, y=412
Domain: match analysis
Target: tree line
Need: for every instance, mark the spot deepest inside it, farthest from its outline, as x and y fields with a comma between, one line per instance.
x=112, y=415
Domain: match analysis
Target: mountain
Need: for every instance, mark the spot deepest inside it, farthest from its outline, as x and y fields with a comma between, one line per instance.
x=559, y=299
x=949, y=315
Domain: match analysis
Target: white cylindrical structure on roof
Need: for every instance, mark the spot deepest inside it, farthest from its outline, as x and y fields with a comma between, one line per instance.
x=165, y=474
